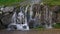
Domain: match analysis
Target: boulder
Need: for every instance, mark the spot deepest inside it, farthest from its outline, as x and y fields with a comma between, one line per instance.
x=7, y=9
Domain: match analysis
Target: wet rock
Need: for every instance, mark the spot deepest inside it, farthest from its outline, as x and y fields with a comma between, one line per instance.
x=6, y=19
x=55, y=8
x=7, y=9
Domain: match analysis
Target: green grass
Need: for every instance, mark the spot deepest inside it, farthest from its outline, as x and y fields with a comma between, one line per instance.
x=9, y=2
x=57, y=25
x=38, y=28
x=52, y=2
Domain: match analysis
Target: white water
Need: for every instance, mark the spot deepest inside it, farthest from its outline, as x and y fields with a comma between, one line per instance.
x=31, y=12
x=20, y=17
x=25, y=24
x=19, y=22
x=13, y=20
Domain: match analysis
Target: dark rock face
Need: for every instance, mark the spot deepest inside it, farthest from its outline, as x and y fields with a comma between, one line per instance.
x=5, y=16
x=5, y=19
x=56, y=13
x=55, y=8
x=31, y=23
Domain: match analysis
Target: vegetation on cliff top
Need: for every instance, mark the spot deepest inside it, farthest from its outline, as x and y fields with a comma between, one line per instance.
x=9, y=2
x=52, y=2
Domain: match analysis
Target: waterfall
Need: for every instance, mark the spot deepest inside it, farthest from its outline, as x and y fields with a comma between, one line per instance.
x=26, y=22
x=13, y=20
x=19, y=21
x=50, y=19
x=46, y=15
x=23, y=26
x=32, y=3
x=20, y=17
x=20, y=24
x=47, y=18
x=31, y=12
x=35, y=19
x=12, y=26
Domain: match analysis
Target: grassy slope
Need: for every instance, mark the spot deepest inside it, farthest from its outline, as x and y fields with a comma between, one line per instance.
x=52, y=2
x=9, y=2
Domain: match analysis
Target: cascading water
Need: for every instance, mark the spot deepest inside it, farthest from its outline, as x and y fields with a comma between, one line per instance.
x=20, y=17
x=31, y=12
x=47, y=18
x=34, y=19
x=12, y=25
x=23, y=26
x=26, y=22
x=50, y=19
x=19, y=21
x=13, y=20
x=31, y=4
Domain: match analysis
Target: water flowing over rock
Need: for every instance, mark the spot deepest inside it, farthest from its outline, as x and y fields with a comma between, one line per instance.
x=29, y=16
x=47, y=17
x=13, y=20
x=19, y=20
